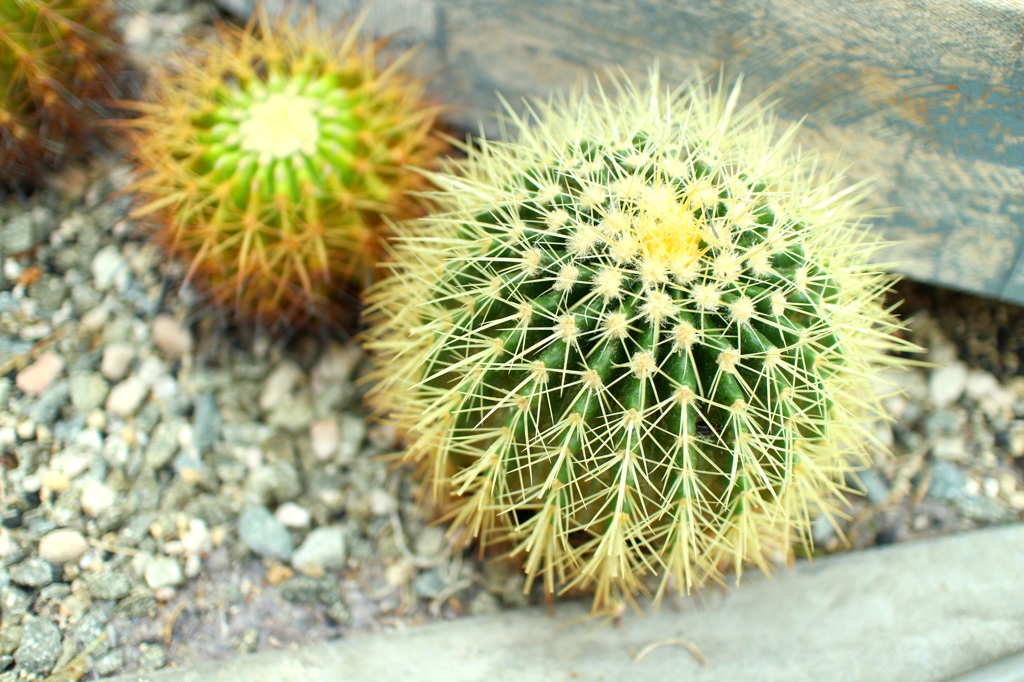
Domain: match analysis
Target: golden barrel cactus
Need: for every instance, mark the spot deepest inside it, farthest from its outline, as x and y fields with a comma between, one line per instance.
x=636, y=343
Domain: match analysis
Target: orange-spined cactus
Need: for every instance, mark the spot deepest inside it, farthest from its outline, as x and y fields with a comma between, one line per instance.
x=59, y=69
x=274, y=160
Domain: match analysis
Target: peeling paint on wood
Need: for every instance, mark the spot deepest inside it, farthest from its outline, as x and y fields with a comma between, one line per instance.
x=927, y=96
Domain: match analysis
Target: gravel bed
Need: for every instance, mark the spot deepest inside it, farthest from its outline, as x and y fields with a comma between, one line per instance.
x=171, y=492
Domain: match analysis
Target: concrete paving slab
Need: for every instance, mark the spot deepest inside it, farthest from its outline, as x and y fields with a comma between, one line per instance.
x=921, y=612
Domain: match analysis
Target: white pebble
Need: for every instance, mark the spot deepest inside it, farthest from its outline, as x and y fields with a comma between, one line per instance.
x=151, y=370
x=947, y=384
x=337, y=364
x=38, y=376
x=110, y=268
x=196, y=540
x=97, y=498
x=61, y=546
x=126, y=397
x=95, y=318
x=381, y=503
x=170, y=337
x=116, y=359
x=980, y=384
x=279, y=384
x=163, y=572
x=326, y=436
x=291, y=515
x=990, y=486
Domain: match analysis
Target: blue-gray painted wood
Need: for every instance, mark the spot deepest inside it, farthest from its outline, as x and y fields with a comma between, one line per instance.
x=924, y=95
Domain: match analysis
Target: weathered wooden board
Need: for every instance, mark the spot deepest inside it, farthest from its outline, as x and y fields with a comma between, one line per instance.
x=925, y=95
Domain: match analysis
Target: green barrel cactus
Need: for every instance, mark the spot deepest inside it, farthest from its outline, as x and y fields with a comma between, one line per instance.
x=638, y=345
x=273, y=161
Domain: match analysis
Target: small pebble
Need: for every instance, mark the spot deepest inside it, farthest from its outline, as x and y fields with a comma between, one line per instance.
x=152, y=657
x=163, y=572
x=125, y=398
x=63, y=545
x=947, y=384
x=326, y=437
x=117, y=357
x=32, y=573
x=95, y=319
x=291, y=515
x=279, y=384
x=40, y=646
x=107, y=584
x=97, y=498
x=323, y=549
x=170, y=337
x=88, y=391
x=38, y=376
x=264, y=534
x=110, y=268
x=109, y=663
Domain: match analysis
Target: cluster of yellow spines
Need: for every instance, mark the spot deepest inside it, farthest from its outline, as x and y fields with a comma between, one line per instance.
x=638, y=341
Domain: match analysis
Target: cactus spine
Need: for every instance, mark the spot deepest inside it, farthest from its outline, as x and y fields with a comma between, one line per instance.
x=59, y=67
x=273, y=159
x=639, y=341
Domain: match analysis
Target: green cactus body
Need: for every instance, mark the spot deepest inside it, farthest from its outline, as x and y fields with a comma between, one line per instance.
x=59, y=69
x=273, y=159
x=639, y=341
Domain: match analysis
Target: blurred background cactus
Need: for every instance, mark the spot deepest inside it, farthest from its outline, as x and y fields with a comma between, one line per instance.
x=639, y=341
x=273, y=160
x=60, y=67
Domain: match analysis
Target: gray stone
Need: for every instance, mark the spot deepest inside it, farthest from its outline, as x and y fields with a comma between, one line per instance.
x=323, y=549
x=163, y=444
x=339, y=613
x=90, y=627
x=10, y=637
x=272, y=484
x=873, y=485
x=109, y=664
x=947, y=481
x=107, y=584
x=5, y=388
x=206, y=422
x=47, y=408
x=26, y=230
x=293, y=413
x=40, y=646
x=55, y=592
x=14, y=603
x=263, y=534
x=152, y=657
x=49, y=293
x=308, y=590
x=18, y=234
x=484, y=604
x=32, y=573
x=429, y=584
x=164, y=572
x=986, y=511
x=88, y=390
